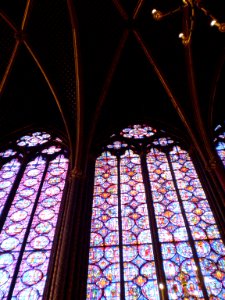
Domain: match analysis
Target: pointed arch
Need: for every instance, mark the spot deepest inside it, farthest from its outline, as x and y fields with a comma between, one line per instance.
x=32, y=180
x=153, y=233
x=220, y=142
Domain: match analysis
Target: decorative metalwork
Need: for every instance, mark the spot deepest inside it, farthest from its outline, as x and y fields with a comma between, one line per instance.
x=191, y=6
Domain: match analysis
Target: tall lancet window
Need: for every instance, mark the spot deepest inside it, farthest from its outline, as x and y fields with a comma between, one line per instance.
x=220, y=142
x=153, y=233
x=32, y=179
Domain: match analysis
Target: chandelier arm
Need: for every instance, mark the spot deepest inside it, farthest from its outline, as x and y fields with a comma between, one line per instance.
x=189, y=22
x=158, y=15
x=189, y=7
x=204, y=10
x=192, y=19
x=214, y=22
x=173, y=11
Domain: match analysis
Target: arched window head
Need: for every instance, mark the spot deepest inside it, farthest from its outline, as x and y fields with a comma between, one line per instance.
x=153, y=233
x=220, y=142
x=32, y=179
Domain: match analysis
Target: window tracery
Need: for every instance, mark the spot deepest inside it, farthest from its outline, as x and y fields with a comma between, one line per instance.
x=153, y=233
x=32, y=179
x=220, y=142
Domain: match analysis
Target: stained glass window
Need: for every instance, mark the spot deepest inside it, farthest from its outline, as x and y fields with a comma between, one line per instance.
x=153, y=233
x=32, y=179
x=220, y=142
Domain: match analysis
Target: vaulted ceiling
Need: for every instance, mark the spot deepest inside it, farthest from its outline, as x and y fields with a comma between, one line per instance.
x=86, y=67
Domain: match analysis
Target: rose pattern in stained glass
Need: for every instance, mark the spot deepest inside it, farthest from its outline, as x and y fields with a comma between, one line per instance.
x=14, y=229
x=49, y=202
x=39, y=242
x=36, y=259
x=32, y=277
x=9, y=244
x=23, y=203
x=7, y=153
x=138, y=132
x=46, y=214
x=52, y=150
x=6, y=259
x=36, y=138
x=117, y=145
x=44, y=227
x=163, y=141
x=4, y=184
x=52, y=191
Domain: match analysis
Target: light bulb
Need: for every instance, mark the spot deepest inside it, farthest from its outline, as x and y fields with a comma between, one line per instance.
x=213, y=23
x=161, y=286
x=157, y=15
x=181, y=35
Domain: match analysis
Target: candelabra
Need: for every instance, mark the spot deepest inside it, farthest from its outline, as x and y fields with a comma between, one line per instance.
x=190, y=7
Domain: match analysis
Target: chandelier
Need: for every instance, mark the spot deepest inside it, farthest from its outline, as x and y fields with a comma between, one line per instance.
x=189, y=7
